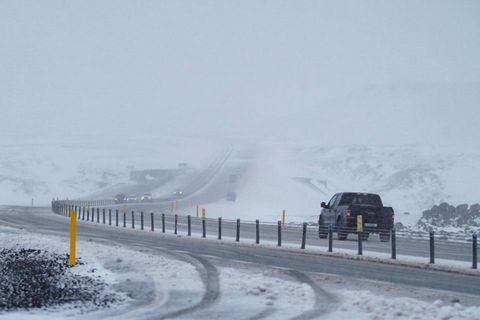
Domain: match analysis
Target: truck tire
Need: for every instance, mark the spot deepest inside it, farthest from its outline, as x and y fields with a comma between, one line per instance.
x=322, y=229
x=342, y=232
x=384, y=236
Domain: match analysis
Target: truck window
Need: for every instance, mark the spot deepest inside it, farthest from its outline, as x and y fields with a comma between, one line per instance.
x=332, y=201
x=361, y=198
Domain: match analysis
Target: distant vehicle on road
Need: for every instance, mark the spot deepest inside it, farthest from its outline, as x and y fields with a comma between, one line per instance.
x=233, y=178
x=120, y=198
x=343, y=208
x=146, y=197
x=131, y=198
x=231, y=196
x=178, y=193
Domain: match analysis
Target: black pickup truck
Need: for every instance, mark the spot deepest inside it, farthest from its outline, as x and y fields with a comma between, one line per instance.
x=342, y=210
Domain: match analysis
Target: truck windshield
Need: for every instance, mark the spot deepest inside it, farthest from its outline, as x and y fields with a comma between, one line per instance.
x=361, y=198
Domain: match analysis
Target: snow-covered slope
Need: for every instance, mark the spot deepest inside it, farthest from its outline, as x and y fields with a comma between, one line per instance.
x=409, y=178
x=41, y=169
x=276, y=176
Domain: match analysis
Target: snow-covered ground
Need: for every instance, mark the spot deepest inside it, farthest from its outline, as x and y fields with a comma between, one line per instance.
x=411, y=179
x=151, y=282
x=41, y=169
x=276, y=176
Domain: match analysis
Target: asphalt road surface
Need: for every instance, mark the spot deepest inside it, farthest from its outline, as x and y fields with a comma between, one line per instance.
x=42, y=220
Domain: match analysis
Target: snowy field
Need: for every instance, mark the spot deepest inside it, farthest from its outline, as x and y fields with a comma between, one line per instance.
x=274, y=177
x=159, y=283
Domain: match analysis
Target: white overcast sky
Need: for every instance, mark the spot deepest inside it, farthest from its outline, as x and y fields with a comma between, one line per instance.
x=382, y=72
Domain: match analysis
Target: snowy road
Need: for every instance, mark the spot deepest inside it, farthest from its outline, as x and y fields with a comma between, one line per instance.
x=316, y=276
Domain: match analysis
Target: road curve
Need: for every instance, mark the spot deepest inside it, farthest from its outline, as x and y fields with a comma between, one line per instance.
x=42, y=220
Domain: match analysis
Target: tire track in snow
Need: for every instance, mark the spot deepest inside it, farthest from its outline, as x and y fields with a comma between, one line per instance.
x=324, y=301
x=208, y=274
x=210, y=277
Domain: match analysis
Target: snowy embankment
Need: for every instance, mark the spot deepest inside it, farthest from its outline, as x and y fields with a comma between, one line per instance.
x=297, y=178
x=155, y=284
x=273, y=177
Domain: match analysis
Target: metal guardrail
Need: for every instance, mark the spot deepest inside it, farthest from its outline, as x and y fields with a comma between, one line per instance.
x=279, y=233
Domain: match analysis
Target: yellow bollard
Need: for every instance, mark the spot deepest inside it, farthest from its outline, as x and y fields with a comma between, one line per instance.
x=73, y=236
x=283, y=216
x=359, y=223
x=204, y=215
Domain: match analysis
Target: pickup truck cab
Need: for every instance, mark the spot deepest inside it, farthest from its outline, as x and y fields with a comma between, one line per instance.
x=343, y=208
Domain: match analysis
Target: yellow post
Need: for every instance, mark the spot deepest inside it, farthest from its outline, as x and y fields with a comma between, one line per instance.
x=73, y=236
x=359, y=223
x=196, y=212
x=204, y=215
x=283, y=216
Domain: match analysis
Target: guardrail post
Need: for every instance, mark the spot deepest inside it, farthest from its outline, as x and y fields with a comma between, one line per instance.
x=394, y=244
x=124, y=219
x=98, y=215
x=133, y=219
x=176, y=223
x=219, y=228
x=141, y=220
x=330, y=238
x=279, y=240
x=163, y=222
x=432, y=248
x=257, y=231
x=88, y=214
x=109, y=217
x=204, y=226
x=189, y=225
x=116, y=217
x=238, y=231
x=474, y=251
x=103, y=215
x=304, y=235
x=152, y=225
x=360, y=244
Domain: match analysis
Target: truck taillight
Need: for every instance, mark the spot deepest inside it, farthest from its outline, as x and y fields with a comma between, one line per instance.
x=348, y=213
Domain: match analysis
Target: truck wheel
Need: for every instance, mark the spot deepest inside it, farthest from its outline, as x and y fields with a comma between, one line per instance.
x=384, y=236
x=322, y=229
x=342, y=232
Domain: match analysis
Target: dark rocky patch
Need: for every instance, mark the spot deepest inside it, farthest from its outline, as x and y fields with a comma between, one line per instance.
x=38, y=279
x=446, y=215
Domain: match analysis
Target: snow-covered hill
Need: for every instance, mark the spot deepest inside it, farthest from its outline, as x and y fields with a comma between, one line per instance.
x=276, y=177
x=41, y=169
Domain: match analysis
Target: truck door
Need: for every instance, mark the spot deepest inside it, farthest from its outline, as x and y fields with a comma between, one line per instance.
x=329, y=211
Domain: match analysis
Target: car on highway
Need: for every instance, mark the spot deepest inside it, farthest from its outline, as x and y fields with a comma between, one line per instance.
x=178, y=193
x=231, y=196
x=131, y=198
x=342, y=210
x=120, y=198
x=146, y=197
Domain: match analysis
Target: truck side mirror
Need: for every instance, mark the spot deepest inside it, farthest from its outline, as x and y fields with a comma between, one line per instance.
x=323, y=204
